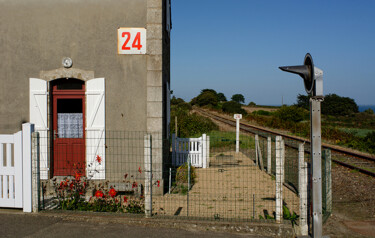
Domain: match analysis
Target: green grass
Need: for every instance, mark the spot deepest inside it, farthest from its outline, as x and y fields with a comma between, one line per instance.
x=357, y=131
x=224, y=139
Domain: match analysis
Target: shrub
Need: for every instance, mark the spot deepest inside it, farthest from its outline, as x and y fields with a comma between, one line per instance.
x=182, y=174
x=233, y=107
x=291, y=113
x=262, y=113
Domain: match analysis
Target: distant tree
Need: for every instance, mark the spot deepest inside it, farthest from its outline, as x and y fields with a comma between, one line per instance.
x=303, y=101
x=221, y=97
x=338, y=106
x=333, y=105
x=176, y=101
x=206, y=97
x=208, y=90
x=233, y=107
x=238, y=98
x=252, y=104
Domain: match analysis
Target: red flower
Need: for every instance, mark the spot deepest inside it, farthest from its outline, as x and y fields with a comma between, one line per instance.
x=112, y=192
x=98, y=159
x=125, y=199
x=134, y=185
x=99, y=194
x=158, y=183
x=140, y=170
x=71, y=185
x=78, y=176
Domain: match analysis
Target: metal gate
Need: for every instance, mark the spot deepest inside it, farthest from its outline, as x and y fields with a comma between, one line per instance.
x=197, y=149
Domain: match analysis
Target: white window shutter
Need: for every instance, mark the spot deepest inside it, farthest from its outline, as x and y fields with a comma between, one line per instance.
x=38, y=116
x=95, y=128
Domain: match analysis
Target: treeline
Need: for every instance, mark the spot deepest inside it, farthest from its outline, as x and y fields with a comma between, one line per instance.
x=338, y=114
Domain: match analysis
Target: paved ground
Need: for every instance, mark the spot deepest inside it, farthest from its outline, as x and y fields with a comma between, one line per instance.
x=14, y=223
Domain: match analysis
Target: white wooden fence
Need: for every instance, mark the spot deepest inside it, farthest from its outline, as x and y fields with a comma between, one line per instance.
x=197, y=149
x=15, y=169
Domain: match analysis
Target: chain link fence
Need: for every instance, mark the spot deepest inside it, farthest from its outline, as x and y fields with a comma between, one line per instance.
x=202, y=178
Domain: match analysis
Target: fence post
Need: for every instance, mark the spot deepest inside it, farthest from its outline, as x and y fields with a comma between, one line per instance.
x=328, y=181
x=302, y=188
x=174, y=149
x=208, y=152
x=148, y=174
x=204, y=151
x=35, y=171
x=260, y=156
x=256, y=149
x=269, y=155
x=282, y=143
x=27, y=129
x=279, y=184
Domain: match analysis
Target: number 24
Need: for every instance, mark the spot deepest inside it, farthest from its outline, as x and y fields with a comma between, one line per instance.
x=136, y=42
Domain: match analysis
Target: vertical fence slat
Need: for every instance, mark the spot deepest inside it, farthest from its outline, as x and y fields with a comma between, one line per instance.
x=5, y=186
x=11, y=187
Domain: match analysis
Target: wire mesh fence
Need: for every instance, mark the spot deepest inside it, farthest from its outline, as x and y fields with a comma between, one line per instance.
x=201, y=178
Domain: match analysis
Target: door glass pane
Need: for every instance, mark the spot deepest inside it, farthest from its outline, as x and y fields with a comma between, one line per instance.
x=69, y=118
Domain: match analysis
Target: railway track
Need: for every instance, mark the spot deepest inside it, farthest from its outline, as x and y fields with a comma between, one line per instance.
x=362, y=162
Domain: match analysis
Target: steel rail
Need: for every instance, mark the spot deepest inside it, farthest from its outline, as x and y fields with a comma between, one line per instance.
x=253, y=129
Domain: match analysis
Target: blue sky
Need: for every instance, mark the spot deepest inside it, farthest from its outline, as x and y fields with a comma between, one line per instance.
x=237, y=46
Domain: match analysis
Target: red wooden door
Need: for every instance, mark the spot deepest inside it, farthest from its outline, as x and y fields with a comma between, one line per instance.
x=68, y=130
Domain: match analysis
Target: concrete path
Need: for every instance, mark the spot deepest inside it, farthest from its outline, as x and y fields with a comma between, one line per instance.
x=14, y=223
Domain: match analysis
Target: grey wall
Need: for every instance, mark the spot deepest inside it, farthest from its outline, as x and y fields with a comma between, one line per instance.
x=35, y=36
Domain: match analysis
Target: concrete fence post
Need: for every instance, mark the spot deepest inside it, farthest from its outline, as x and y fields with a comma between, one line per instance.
x=279, y=183
x=282, y=143
x=208, y=152
x=204, y=151
x=35, y=171
x=256, y=150
x=302, y=188
x=27, y=129
x=148, y=174
x=269, y=155
x=328, y=180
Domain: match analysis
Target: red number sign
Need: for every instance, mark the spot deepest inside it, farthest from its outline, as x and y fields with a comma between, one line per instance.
x=131, y=40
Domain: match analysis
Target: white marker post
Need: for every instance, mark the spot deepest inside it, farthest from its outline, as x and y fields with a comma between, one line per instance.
x=238, y=117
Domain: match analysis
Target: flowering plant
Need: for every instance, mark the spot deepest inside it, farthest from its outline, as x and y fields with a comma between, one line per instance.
x=71, y=193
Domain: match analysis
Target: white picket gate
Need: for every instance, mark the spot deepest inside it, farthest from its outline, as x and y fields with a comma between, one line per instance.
x=197, y=149
x=15, y=169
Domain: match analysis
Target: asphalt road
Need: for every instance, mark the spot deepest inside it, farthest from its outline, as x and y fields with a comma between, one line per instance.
x=18, y=224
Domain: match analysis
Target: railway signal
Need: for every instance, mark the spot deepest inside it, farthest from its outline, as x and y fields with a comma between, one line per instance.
x=313, y=81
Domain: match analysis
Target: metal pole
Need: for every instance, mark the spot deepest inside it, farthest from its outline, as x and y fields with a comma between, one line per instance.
x=170, y=180
x=316, y=157
x=148, y=175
